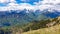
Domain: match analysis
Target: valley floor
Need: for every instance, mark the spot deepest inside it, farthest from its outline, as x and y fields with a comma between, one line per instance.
x=51, y=30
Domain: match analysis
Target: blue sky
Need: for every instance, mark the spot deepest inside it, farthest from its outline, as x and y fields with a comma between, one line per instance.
x=21, y=1
x=27, y=1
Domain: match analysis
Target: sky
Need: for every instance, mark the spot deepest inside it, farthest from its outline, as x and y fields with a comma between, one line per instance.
x=29, y=5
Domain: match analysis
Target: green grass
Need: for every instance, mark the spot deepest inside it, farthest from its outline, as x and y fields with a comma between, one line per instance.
x=50, y=30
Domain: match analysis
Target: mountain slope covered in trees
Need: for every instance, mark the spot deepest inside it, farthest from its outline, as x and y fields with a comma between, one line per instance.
x=52, y=29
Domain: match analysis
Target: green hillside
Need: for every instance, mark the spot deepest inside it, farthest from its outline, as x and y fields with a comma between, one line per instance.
x=51, y=27
x=47, y=26
x=51, y=30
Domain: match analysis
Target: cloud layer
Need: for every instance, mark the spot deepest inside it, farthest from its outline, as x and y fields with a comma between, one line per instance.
x=4, y=1
x=41, y=5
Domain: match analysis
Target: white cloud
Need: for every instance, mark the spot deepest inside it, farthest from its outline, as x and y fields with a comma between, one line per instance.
x=21, y=6
x=48, y=4
x=12, y=1
x=14, y=6
x=4, y=1
x=7, y=1
x=42, y=5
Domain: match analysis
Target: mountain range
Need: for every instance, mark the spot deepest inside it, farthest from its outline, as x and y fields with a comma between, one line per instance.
x=14, y=17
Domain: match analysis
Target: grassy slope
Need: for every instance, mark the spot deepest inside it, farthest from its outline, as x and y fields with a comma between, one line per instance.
x=51, y=30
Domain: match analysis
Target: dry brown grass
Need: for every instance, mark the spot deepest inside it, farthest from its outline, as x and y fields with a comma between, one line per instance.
x=50, y=30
